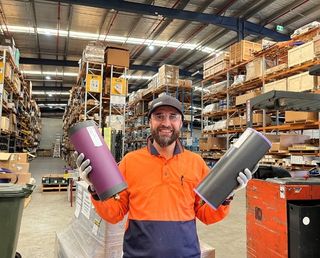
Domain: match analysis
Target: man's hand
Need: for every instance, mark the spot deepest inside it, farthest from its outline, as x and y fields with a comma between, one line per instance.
x=244, y=177
x=83, y=167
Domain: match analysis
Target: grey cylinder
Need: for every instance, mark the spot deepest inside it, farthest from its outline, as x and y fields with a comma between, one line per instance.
x=222, y=179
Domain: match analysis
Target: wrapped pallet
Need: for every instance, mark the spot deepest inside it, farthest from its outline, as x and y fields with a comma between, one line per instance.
x=93, y=52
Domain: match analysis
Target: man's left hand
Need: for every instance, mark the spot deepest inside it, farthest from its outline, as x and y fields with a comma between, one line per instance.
x=244, y=177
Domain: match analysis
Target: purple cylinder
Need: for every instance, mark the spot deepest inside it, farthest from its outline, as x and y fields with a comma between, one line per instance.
x=105, y=175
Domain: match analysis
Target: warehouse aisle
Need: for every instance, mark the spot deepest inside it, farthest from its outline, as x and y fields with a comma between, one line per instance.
x=50, y=212
x=47, y=213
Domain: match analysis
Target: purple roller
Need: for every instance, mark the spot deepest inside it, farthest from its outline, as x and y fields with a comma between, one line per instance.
x=105, y=175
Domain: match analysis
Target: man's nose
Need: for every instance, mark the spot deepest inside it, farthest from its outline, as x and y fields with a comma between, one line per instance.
x=166, y=120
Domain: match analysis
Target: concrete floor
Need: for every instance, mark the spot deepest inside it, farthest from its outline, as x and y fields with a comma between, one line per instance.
x=50, y=212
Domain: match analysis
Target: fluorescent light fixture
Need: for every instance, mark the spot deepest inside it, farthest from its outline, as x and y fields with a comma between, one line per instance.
x=138, y=77
x=196, y=72
x=49, y=73
x=48, y=77
x=111, y=38
x=50, y=93
x=51, y=105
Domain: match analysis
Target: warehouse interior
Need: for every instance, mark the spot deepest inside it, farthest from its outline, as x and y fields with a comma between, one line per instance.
x=234, y=65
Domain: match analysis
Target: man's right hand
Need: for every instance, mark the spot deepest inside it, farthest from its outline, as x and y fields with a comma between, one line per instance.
x=83, y=167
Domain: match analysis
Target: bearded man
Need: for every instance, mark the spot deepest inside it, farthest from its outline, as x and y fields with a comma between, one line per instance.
x=160, y=201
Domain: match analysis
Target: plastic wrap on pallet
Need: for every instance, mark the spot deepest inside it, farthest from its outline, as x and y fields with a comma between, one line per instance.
x=89, y=236
x=305, y=28
x=93, y=53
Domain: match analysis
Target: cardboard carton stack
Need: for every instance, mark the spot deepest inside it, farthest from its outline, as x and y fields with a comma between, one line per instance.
x=168, y=75
x=18, y=164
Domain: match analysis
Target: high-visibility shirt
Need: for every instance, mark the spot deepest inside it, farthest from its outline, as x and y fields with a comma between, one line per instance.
x=161, y=204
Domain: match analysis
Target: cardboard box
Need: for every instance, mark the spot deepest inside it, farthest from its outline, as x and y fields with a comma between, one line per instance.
x=19, y=157
x=23, y=178
x=275, y=147
x=276, y=85
x=185, y=83
x=301, y=54
x=302, y=82
x=283, y=141
x=5, y=123
x=168, y=75
x=242, y=99
x=19, y=167
x=254, y=69
x=117, y=56
x=243, y=51
x=293, y=116
x=212, y=143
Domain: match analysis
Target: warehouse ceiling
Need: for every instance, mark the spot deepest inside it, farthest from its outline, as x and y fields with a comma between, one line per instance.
x=51, y=35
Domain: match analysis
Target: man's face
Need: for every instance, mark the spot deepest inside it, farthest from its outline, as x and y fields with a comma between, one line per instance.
x=165, y=124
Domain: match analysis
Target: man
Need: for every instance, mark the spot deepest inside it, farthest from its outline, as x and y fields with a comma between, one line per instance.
x=160, y=200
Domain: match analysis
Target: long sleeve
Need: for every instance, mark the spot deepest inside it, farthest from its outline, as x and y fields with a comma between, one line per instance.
x=204, y=212
x=113, y=210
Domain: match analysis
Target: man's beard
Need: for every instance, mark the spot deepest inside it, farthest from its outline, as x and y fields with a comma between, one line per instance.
x=164, y=141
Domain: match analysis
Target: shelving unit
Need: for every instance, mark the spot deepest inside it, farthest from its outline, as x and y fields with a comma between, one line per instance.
x=235, y=115
x=19, y=113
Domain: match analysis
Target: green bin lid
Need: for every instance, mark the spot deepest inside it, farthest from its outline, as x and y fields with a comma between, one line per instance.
x=12, y=190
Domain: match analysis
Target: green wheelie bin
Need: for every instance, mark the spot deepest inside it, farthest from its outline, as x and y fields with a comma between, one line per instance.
x=11, y=207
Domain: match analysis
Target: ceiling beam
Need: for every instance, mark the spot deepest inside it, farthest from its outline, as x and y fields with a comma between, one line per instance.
x=230, y=23
x=69, y=63
x=50, y=88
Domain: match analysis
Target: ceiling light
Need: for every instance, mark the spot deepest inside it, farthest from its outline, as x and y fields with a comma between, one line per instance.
x=48, y=77
x=48, y=73
x=114, y=38
x=50, y=93
x=151, y=47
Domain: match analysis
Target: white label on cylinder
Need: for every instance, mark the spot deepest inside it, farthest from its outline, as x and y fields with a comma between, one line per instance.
x=94, y=136
x=242, y=138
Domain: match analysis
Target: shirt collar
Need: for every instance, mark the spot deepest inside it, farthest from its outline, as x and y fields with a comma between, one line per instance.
x=178, y=148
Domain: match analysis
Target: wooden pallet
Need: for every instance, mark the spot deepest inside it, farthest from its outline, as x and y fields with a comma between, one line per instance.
x=56, y=188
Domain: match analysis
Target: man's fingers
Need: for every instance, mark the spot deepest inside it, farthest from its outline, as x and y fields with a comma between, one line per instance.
x=87, y=171
x=84, y=164
x=79, y=160
x=248, y=173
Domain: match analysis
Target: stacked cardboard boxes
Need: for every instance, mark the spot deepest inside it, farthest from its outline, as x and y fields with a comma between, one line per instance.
x=18, y=164
x=168, y=75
